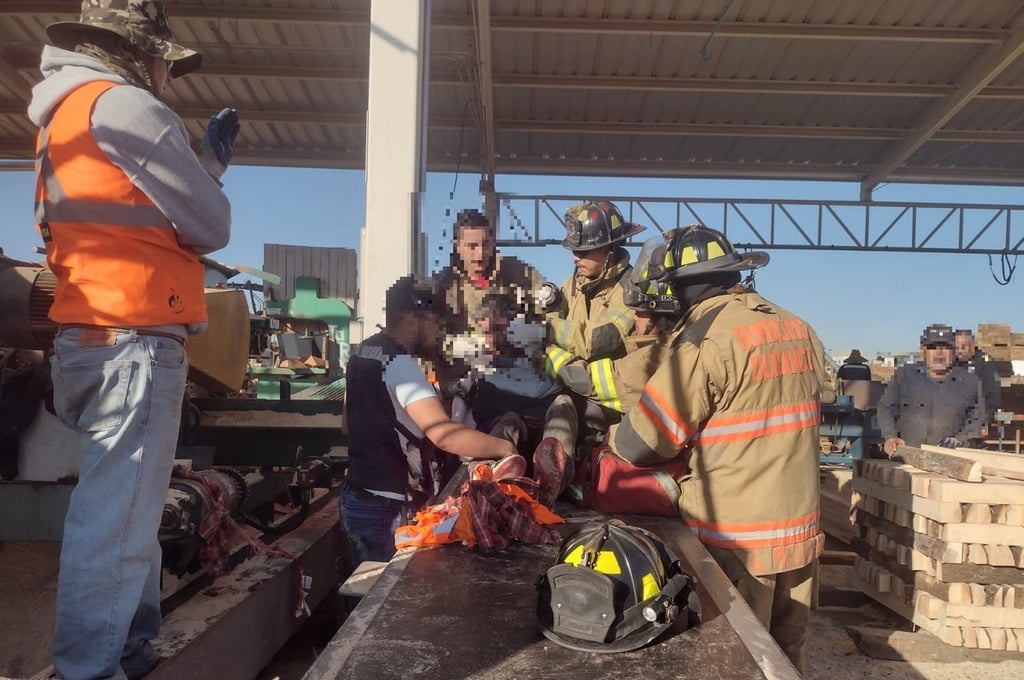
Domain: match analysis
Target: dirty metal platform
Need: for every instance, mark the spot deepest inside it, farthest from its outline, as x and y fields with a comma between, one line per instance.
x=452, y=612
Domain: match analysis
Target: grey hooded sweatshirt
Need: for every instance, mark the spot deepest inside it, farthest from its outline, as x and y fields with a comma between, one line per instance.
x=145, y=138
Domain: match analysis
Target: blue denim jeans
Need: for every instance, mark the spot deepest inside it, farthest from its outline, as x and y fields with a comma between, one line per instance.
x=125, y=401
x=369, y=523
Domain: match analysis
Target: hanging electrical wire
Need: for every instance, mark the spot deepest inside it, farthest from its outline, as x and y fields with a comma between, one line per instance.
x=442, y=245
x=705, y=52
x=1008, y=267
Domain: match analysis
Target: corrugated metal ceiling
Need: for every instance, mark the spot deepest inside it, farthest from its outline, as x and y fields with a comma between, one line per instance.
x=923, y=90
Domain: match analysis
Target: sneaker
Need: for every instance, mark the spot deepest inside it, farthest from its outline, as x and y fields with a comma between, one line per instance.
x=509, y=467
x=549, y=467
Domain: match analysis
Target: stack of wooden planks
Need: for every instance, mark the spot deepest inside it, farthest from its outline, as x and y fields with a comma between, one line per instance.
x=942, y=542
x=836, y=492
x=1000, y=343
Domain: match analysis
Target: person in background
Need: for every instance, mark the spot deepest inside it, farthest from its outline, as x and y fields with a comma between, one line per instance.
x=477, y=269
x=853, y=379
x=738, y=398
x=931, y=401
x=398, y=431
x=969, y=356
x=124, y=207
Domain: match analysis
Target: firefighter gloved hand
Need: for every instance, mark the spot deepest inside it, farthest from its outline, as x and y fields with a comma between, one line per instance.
x=219, y=142
x=950, y=443
x=547, y=297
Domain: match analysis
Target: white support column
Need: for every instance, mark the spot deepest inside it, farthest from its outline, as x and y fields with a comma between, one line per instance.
x=396, y=133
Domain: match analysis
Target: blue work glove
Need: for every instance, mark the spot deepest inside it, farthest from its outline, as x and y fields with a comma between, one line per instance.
x=950, y=443
x=219, y=142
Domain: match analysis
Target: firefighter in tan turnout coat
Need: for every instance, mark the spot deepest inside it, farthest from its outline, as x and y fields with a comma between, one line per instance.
x=739, y=398
x=590, y=320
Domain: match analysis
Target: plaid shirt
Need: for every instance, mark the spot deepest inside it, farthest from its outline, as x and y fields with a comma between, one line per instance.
x=499, y=518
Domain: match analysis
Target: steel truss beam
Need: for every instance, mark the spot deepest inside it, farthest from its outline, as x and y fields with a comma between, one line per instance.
x=18, y=62
x=568, y=24
x=791, y=224
x=646, y=128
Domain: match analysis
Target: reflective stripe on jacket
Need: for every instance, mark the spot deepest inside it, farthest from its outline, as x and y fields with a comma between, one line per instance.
x=115, y=254
x=740, y=401
x=615, y=384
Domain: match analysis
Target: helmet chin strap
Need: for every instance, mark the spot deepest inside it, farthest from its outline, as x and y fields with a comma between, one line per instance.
x=607, y=259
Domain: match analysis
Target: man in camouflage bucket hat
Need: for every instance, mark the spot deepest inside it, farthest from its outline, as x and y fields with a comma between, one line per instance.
x=143, y=24
x=124, y=207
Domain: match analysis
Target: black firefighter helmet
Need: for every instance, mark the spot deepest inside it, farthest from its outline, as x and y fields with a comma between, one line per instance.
x=613, y=588
x=593, y=224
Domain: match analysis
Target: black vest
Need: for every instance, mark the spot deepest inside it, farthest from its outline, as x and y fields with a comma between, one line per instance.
x=375, y=456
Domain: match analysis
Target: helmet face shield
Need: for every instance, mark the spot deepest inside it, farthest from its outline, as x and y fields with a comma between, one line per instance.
x=653, y=260
x=613, y=588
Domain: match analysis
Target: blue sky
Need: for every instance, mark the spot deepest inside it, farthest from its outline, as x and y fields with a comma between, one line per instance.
x=872, y=301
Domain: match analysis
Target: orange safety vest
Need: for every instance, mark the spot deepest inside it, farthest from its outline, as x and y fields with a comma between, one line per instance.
x=115, y=254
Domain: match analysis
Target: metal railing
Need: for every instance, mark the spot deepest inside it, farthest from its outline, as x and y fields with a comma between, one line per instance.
x=528, y=220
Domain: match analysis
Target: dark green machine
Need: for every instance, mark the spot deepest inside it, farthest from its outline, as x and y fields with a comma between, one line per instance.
x=325, y=324
x=847, y=433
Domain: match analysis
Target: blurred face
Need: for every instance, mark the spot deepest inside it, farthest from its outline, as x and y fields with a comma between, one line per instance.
x=429, y=334
x=938, y=359
x=965, y=346
x=590, y=263
x=494, y=327
x=475, y=247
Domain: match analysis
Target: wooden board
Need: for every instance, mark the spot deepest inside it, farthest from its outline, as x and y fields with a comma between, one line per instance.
x=968, y=614
x=908, y=540
x=936, y=510
x=835, y=517
x=993, y=491
x=941, y=463
x=836, y=480
x=977, y=573
x=994, y=534
x=993, y=459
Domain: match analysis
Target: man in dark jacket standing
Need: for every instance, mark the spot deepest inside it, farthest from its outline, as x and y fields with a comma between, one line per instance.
x=931, y=401
x=969, y=356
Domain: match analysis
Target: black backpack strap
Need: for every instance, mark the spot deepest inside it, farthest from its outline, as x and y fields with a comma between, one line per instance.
x=418, y=441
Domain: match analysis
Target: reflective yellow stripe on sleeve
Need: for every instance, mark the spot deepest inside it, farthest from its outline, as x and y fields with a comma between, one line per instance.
x=604, y=384
x=556, y=359
x=563, y=331
x=621, y=319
